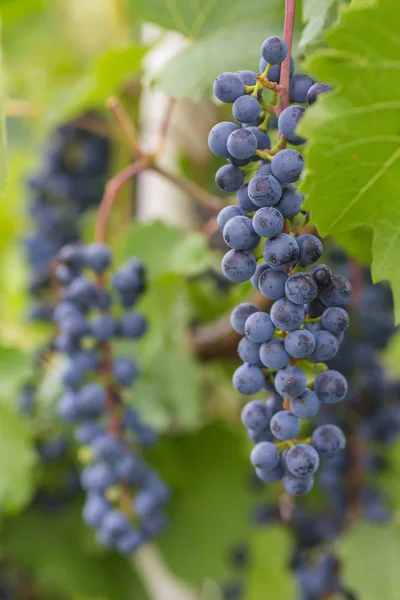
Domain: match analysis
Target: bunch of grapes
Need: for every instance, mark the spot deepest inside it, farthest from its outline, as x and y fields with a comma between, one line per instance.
x=125, y=498
x=70, y=182
x=306, y=322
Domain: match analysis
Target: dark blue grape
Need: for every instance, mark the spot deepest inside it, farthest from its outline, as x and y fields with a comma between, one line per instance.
x=265, y=169
x=316, y=90
x=255, y=279
x=259, y=328
x=114, y=524
x=91, y=400
x=238, y=265
x=274, y=74
x=218, y=137
x=242, y=198
x=107, y=448
x=94, y=510
x=290, y=382
x=302, y=460
x=249, y=352
x=270, y=476
x=260, y=436
x=335, y=319
x=301, y=288
x=228, y=212
x=299, y=85
x=81, y=290
x=330, y=387
x=322, y=275
x=288, y=121
x=97, y=257
x=315, y=309
x=240, y=314
x=287, y=165
x=272, y=283
x=281, y=252
x=248, y=77
x=290, y=203
x=268, y=222
x=130, y=542
x=287, y=316
x=97, y=478
x=328, y=440
x=228, y=86
x=310, y=249
x=87, y=432
x=229, y=178
x=300, y=343
x=102, y=327
x=284, y=425
x=326, y=346
x=239, y=234
x=305, y=406
x=274, y=50
x=265, y=456
x=242, y=143
x=248, y=379
x=256, y=415
x=337, y=293
x=125, y=370
x=297, y=486
x=68, y=408
x=263, y=139
x=246, y=109
x=273, y=354
x=264, y=190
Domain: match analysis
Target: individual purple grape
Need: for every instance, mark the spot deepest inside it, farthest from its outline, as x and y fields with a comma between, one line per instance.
x=316, y=90
x=297, y=486
x=94, y=510
x=302, y=460
x=301, y=288
x=290, y=203
x=218, y=137
x=97, y=257
x=87, y=432
x=255, y=279
x=281, y=252
x=238, y=265
x=300, y=343
x=299, y=85
x=228, y=87
x=125, y=371
x=228, y=212
x=273, y=354
x=328, y=440
x=91, y=400
x=240, y=314
x=274, y=50
x=270, y=476
x=284, y=425
x=260, y=436
x=322, y=275
x=68, y=408
x=337, y=293
x=130, y=542
x=274, y=74
x=102, y=327
x=132, y=326
x=259, y=328
x=287, y=165
x=272, y=283
x=326, y=346
x=249, y=352
x=248, y=77
x=107, y=448
x=256, y=415
x=287, y=316
x=305, y=406
x=242, y=143
x=239, y=234
x=310, y=249
x=268, y=222
x=290, y=382
x=330, y=387
x=265, y=456
x=229, y=178
x=246, y=109
x=264, y=190
x=97, y=478
x=248, y=379
x=265, y=169
x=335, y=319
x=315, y=308
x=288, y=121
x=243, y=199
x=114, y=524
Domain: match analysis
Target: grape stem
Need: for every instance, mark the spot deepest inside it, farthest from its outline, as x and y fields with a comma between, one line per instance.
x=288, y=28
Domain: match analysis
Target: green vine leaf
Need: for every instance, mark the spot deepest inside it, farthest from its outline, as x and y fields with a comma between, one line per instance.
x=3, y=137
x=353, y=167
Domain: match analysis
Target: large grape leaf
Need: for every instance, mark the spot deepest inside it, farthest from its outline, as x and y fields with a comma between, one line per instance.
x=3, y=153
x=370, y=557
x=353, y=167
x=316, y=15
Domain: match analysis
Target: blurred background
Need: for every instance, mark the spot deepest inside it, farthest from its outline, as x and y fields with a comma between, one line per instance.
x=229, y=536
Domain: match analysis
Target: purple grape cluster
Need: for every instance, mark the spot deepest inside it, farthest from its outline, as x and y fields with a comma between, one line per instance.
x=70, y=182
x=307, y=321
x=125, y=498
